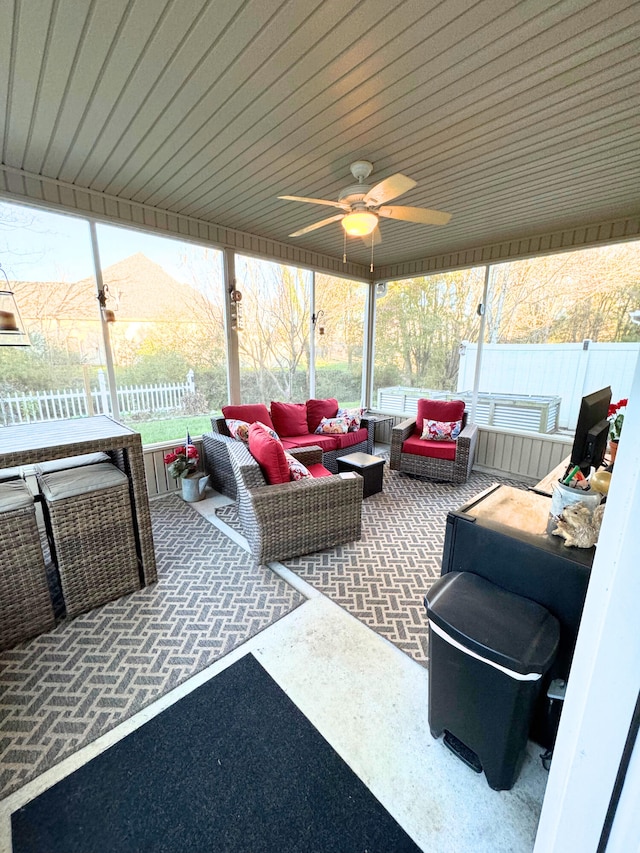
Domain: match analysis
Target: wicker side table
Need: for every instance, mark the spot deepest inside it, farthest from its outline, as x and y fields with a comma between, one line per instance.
x=25, y=603
x=91, y=534
x=369, y=467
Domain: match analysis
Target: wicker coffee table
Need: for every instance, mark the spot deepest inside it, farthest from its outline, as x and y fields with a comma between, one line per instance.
x=369, y=467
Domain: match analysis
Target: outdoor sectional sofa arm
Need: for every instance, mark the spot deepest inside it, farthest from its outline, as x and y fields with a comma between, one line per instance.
x=370, y=426
x=310, y=455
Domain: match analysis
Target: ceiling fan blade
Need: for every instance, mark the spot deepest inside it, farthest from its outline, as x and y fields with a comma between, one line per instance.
x=375, y=235
x=317, y=225
x=390, y=188
x=341, y=205
x=416, y=214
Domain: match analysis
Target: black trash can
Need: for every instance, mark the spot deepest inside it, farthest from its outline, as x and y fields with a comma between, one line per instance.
x=488, y=651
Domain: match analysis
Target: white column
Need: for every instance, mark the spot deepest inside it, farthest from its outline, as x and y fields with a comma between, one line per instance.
x=106, y=339
x=233, y=358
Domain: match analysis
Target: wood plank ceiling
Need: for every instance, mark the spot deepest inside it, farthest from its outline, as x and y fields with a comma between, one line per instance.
x=518, y=118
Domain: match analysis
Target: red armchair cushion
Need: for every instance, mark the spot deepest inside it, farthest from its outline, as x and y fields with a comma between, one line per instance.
x=318, y=470
x=434, y=449
x=249, y=413
x=289, y=418
x=269, y=454
x=439, y=410
x=318, y=409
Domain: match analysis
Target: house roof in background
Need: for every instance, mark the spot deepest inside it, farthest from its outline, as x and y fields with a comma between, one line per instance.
x=518, y=118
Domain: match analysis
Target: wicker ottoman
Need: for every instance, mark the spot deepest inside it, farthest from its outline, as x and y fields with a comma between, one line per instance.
x=25, y=603
x=90, y=529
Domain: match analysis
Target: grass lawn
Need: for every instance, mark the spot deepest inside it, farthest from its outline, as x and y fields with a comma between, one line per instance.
x=171, y=429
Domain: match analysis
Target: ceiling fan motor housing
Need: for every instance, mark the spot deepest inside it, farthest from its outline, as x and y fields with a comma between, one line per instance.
x=354, y=194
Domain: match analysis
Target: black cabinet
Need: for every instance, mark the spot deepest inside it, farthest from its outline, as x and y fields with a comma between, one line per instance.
x=501, y=536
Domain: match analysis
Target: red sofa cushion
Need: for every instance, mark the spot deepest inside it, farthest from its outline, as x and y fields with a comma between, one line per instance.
x=326, y=442
x=250, y=413
x=318, y=409
x=318, y=470
x=289, y=418
x=269, y=454
x=439, y=410
x=435, y=449
x=348, y=439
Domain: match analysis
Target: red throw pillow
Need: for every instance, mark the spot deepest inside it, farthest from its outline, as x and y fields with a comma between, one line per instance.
x=269, y=454
x=289, y=418
x=439, y=410
x=250, y=413
x=319, y=409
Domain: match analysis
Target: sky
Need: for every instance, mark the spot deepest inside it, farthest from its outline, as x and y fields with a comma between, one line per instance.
x=36, y=245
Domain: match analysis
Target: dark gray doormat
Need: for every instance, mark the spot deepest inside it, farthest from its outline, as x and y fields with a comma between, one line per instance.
x=234, y=766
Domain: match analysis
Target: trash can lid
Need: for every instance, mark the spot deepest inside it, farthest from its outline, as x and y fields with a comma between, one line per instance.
x=509, y=630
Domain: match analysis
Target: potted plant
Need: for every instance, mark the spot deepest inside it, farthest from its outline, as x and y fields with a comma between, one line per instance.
x=615, y=416
x=182, y=464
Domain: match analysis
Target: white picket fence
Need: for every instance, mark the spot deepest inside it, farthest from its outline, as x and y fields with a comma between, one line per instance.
x=70, y=403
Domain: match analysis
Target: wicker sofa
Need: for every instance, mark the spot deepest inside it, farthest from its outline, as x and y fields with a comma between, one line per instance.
x=216, y=444
x=455, y=469
x=289, y=519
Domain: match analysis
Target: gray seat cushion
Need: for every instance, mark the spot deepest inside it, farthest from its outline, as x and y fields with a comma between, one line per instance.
x=73, y=462
x=14, y=494
x=80, y=481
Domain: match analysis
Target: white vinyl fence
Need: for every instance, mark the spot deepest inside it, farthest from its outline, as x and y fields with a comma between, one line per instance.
x=53, y=405
x=568, y=371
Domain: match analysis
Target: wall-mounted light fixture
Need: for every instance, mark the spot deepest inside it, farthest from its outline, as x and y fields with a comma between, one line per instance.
x=12, y=330
x=315, y=319
x=107, y=313
x=235, y=309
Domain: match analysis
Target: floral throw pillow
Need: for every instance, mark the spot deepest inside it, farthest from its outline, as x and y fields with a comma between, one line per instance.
x=332, y=426
x=353, y=418
x=268, y=429
x=441, y=430
x=297, y=471
x=238, y=429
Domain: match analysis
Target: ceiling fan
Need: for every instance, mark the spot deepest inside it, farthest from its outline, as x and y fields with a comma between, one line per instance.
x=361, y=205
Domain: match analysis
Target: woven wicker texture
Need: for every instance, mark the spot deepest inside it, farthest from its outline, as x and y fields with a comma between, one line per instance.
x=442, y=470
x=92, y=540
x=295, y=518
x=68, y=686
x=218, y=464
x=34, y=443
x=25, y=604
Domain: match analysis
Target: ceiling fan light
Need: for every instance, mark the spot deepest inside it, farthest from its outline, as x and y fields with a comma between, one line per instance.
x=360, y=223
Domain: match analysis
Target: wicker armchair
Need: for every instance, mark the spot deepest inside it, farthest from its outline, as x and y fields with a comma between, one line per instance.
x=300, y=517
x=216, y=458
x=218, y=465
x=443, y=470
